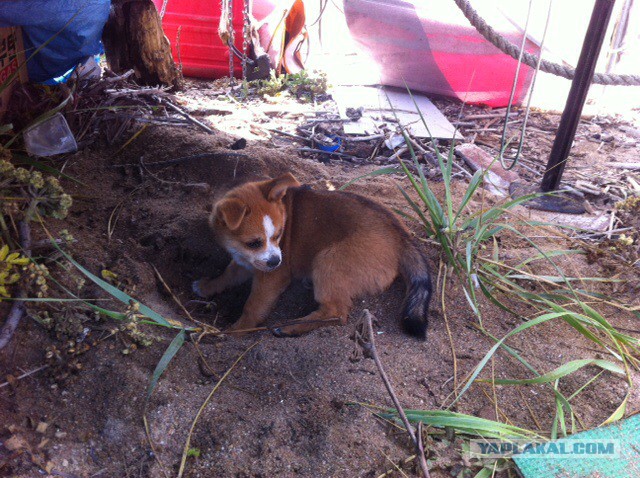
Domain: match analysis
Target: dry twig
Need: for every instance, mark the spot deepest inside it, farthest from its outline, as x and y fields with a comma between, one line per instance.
x=190, y=118
x=370, y=349
x=24, y=375
x=187, y=444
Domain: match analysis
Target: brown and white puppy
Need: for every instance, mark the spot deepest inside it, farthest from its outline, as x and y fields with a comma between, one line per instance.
x=348, y=245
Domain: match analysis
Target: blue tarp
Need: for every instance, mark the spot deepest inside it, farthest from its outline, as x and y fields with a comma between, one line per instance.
x=72, y=27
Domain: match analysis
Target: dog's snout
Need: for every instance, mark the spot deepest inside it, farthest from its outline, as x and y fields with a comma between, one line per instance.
x=273, y=261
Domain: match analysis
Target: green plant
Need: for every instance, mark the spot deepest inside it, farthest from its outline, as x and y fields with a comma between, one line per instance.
x=469, y=238
x=193, y=452
x=470, y=246
x=32, y=192
x=11, y=266
x=135, y=315
x=26, y=193
x=304, y=85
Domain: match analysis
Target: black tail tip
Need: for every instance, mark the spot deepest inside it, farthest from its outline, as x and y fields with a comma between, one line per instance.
x=415, y=327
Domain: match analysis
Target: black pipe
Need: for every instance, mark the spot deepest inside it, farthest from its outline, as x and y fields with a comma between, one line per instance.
x=577, y=95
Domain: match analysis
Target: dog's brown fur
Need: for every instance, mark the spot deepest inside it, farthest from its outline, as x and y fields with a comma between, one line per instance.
x=346, y=244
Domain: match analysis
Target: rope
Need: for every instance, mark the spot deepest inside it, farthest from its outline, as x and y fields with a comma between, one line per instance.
x=531, y=60
x=164, y=8
x=232, y=39
x=246, y=33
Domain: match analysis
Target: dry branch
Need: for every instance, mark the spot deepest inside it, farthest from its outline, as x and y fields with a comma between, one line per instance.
x=190, y=118
x=370, y=348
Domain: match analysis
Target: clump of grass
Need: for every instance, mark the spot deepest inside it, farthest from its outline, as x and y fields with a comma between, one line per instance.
x=304, y=86
x=466, y=236
x=131, y=320
x=33, y=192
x=469, y=240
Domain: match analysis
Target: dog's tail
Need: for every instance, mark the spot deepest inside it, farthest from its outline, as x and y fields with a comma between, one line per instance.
x=415, y=270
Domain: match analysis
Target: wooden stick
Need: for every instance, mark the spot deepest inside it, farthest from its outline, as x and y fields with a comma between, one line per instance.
x=25, y=375
x=290, y=135
x=632, y=166
x=187, y=444
x=488, y=115
x=182, y=159
x=371, y=348
x=356, y=139
x=131, y=92
x=200, y=124
x=270, y=328
x=177, y=301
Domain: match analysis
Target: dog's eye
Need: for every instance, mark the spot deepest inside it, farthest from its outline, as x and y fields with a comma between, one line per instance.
x=257, y=244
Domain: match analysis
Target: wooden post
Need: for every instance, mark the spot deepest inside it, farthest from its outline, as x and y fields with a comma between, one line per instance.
x=133, y=39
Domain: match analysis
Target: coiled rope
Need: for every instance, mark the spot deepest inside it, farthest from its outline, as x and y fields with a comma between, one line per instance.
x=531, y=60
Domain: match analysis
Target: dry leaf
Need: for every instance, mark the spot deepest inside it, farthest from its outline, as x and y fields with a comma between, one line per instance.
x=16, y=442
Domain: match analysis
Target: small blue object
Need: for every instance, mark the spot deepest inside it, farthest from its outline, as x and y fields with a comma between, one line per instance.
x=71, y=29
x=331, y=147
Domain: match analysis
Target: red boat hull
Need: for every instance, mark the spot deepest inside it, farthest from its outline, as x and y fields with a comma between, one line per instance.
x=429, y=46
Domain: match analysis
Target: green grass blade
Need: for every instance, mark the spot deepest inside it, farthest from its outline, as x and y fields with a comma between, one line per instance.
x=484, y=473
x=466, y=424
x=476, y=181
x=377, y=172
x=43, y=117
x=13, y=75
x=533, y=322
x=549, y=254
x=559, y=279
x=561, y=371
x=115, y=292
x=418, y=211
x=619, y=412
x=23, y=159
x=166, y=358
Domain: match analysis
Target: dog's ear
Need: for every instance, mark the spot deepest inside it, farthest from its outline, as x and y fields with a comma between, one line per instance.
x=277, y=188
x=230, y=211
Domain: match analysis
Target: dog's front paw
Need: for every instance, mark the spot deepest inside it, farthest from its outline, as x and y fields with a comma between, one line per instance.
x=195, y=287
x=280, y=332
x=287, y=331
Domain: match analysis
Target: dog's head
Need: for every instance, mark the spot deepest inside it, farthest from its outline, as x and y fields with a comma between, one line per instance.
x=249, y=222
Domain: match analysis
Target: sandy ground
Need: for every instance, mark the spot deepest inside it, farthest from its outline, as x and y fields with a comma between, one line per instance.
x=291, y=407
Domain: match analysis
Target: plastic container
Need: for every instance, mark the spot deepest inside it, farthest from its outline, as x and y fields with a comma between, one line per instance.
x=202, y=53
x=331, y=143
x=51, y=137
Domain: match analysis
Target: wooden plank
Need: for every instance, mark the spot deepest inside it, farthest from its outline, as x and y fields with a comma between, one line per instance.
x=379, y=103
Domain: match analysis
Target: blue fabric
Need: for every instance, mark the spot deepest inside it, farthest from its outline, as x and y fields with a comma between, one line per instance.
x=74, y=28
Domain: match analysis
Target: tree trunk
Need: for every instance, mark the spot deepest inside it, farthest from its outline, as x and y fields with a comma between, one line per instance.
x=133, y=39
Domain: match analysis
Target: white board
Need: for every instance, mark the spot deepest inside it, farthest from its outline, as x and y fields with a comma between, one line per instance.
x=378, y=116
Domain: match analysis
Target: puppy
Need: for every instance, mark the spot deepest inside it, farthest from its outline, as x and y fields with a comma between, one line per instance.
x=348, y=245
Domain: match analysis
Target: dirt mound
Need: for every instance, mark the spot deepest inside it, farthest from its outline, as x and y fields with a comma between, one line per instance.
x=290, y=408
